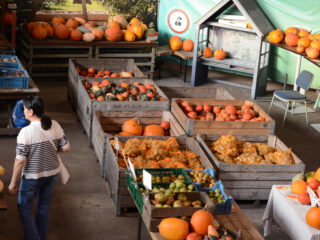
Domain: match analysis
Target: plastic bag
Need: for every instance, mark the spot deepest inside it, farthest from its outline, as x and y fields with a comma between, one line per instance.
x=18, y=118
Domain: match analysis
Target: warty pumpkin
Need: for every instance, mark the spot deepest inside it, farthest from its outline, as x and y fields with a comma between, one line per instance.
x=173, y=228
x=200, y=221
x=97, y=32
x=153, y=130
x=132, y=126
x=121, y=20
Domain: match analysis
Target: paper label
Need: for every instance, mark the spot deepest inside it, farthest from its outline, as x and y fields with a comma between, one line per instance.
x=147, y=180
x=131, y=168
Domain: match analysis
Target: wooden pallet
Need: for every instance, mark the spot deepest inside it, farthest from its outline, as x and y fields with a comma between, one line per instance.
x=252, y=181
x=117, y=178
x=107, y=123
x=111, y=64
x=194, y=127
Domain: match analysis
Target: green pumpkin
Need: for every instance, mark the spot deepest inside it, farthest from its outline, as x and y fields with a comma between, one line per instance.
x=144, y=98
x=106, y=89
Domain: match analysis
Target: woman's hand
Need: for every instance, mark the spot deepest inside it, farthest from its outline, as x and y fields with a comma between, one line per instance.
x=13, y=188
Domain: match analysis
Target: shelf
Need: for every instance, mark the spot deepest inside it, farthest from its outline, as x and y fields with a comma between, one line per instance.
x=216, y=24
x=230, y=63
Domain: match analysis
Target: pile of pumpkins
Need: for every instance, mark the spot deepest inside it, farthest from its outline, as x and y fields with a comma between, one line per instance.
x=116, y=29
x=133, y=127
x=201, y=226
x=2, y=171
x=91, y=72
x=299, y=186
x=176, y=44
x=301, y=39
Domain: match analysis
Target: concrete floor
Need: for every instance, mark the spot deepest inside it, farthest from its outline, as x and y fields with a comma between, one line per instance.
x=82, y=209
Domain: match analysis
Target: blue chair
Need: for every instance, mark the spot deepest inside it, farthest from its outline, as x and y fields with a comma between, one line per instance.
x=302, y=84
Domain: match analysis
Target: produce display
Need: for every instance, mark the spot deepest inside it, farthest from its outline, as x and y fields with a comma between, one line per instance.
x=205, y=179
x=229, y=112
x=216, y=196
x=153, y=153
x=116, y=29
x=122, y=91
x=12, y=73
x=176, y=44
x=232, y=150
x=91, y=72
x=134, y=128
x=301, y=39
x=170, y=199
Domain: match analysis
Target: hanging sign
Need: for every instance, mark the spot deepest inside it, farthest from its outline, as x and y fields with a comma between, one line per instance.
x=178, y=21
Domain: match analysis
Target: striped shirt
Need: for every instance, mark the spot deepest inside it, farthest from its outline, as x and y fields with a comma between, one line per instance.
x=41, y=159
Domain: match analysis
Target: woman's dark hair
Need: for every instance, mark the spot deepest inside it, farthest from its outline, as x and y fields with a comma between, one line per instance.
x=36, y=104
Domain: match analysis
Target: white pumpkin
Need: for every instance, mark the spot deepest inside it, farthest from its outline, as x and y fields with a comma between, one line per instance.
x=88, y=37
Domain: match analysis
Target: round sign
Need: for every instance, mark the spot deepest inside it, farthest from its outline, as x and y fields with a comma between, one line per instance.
x=178, y=21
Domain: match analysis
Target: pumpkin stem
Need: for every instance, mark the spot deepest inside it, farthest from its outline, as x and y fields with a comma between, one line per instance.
x=137, y=119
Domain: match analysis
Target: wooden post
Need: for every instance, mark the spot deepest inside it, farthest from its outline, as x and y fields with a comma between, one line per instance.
x=84, y=9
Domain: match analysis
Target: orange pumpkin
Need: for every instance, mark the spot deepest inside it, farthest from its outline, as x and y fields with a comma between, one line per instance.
x=153, y=130
x=31, y=26
x=291, y=39
x=315, y=44
x=276, y=36
x=39, y=33
x=129, y=36
x=312, y=52
x=300, y=49
x=317, y=175
x=176, y=44
x=113, y=24
x=294, y=30
x=113, y=34
x=132, y=126
x=200, y=221
x=173, y=228
x=303, y=32
x=137, y=30
x=165, y=125
x=56, y=20
x=299, y=187
x=313, y=217
x=76, y=35
x=173, y=38
x=61, y=31
x=134, y=21
x=188, y=45
x=207, y=52
x=72, y=23
x=219, y=54
x=98, y=33
x=304, y=42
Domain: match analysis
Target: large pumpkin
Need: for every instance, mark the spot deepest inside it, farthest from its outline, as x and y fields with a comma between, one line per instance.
x=56, y=20
x=207, y=52
x=153, y=130
x=200, y=221
x=72, y=23
x=61, y=31
x=39, y=33
x=188, y=45
x=291, y=39
x=219, y=54
x=132, y=126
x=119, y=19
x=313, y=217
x=137, y=30
x=176, y=44
x=76, y=35
x=276, y=36
x=113, y=34
x=173, y=228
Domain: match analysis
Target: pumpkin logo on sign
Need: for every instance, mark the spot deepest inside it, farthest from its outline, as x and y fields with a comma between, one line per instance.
x=178, y=21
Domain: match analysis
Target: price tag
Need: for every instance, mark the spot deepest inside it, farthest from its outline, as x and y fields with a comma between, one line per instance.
x=116, y=143
x=131, y=167
x=147, y=179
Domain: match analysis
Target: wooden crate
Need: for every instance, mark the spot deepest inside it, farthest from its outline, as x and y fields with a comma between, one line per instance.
x=194, y=127
x=117, y=178
x=112, y=64
x=252, y=181
x=106, y=124
x=86, y=105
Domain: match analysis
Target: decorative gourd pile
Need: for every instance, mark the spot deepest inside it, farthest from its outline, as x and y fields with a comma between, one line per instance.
x=133, y=128
x=301, y=39
x=153, y=153
x=91, y=72
x=107, y=91
x=221, y=113
x=177, y=44
x=2, y=172
x=116, y=29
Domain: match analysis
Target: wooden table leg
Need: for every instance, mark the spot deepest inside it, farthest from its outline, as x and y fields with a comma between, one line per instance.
x=185, y=70
x=139, y=227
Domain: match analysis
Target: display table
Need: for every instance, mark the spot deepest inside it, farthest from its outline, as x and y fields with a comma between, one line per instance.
x=285, y=210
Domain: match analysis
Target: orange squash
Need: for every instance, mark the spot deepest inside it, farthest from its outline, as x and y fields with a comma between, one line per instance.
x=313, y=217
x=113, y=24
x=300, y=49
x=134, y=21
x=129, y=36
x=72, y=23
x=56, y=20
x=303, y=32
x=200, y=221
x=76, y=35
x=113, y=34
x=173, y=228
x=39, y=33
x=61, y=31
x=153, y=130
x=207, y=52
x=299, y=187
x=137, y=30
x=132, y=126
x=315, y=44
x=294, y=30
x=219, y=54
x=188, y=45
x=97, y=32
x=276, y=36
x=312, y=52
x=291, y=39
x=176, y=44
x=173, y=38
x=304, y=42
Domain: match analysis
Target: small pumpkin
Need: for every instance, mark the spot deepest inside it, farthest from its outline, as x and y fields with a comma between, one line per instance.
x=200, y=221
x=173, y=228
x=291, y=39
x=98, y=33
x=276, y=36
x=304, y=42
x=76, y=35
x=113, y=34
x=312, y=52
x=313, y=217
x=300, y=49
x=176, y=44
x=153, y=130
x=165, y=125
x=129, y=36
x=188, y=45
x=294, y=30
x=315, y=44
x=132, y=126
x=219, y=54
x=303, y=32
x=61, y=31
x=134, y=21
x=299, y=187
x=72, y=23
x=56, y=20
x=88, y=37
x=50, y=30
x=207, y=52
x=173, y=38
x=39, y=33
x=138, y=31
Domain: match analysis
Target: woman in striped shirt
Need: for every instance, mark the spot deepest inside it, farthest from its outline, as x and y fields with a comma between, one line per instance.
x=37, y=162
